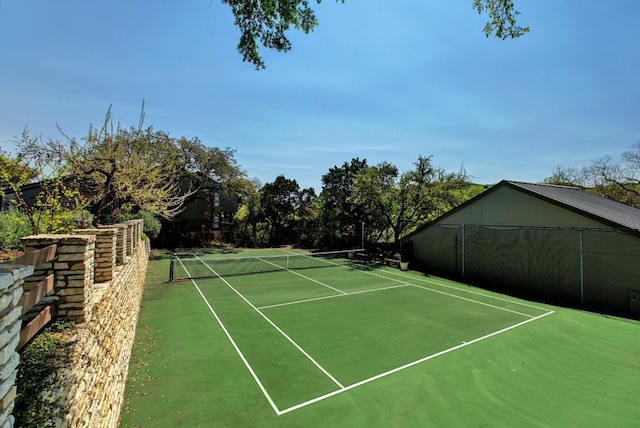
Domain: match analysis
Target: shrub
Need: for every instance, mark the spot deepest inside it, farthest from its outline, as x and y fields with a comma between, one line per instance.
x=13, y=226
x=63, y=221
x=151, y=226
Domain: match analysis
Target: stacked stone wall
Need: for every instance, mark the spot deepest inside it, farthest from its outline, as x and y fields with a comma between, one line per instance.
x=11, y=282
x=121, y=241
x=90, y=390
x=105, y=252
x=73, y=269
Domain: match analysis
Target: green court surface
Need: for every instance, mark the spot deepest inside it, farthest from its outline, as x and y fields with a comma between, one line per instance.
x=347, y=346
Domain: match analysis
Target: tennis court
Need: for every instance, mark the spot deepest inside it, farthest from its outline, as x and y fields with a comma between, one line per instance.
x=309, y=327
x=373, y=346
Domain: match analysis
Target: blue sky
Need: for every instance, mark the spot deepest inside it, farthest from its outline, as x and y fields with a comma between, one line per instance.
x=380, y=80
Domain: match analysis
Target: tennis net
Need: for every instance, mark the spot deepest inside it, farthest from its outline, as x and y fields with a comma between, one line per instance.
x=191, y=266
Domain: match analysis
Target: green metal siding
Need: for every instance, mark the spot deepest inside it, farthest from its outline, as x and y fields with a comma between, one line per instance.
x=515, y=241
x=508, y=207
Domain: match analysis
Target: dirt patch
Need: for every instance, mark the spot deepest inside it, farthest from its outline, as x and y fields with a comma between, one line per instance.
x=8, y=254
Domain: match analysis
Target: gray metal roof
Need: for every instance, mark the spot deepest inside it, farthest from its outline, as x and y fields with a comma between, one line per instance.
x=583, y=202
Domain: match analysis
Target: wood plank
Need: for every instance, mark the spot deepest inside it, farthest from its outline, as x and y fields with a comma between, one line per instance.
x=37, y=257
x=36, y=324
x=30, y=298
x=392, y=262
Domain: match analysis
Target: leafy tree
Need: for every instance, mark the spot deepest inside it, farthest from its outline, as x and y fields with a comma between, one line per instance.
x=266, y=22
x=210, y=172
x=119, y=171
x=308, y=230
x=151, y=225
x=502, y=15
x=619, y=181
x=341, y=220
x=566, y=177
x=373, y=190
x=121, y=167
x=279, y=202
x=58, y=206
x=396, y=202
x=14, y=174
x=248, y=219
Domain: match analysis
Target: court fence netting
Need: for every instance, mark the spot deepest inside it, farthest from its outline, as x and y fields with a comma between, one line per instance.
x=191, y=266
x=597, y=267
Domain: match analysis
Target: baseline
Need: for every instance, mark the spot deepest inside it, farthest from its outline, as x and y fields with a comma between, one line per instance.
x=406, y=366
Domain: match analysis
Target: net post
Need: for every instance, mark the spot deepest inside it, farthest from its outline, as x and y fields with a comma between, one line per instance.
x=171, y=270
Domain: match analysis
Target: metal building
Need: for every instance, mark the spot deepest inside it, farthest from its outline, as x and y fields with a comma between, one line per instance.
x=552, y=241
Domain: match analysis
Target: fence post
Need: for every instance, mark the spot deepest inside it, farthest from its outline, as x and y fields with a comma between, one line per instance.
x=462, y=270
x=581, y=231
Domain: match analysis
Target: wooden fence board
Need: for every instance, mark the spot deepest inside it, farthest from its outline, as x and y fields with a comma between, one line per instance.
x=36, y=324
x=36, y=258
x=32, y=297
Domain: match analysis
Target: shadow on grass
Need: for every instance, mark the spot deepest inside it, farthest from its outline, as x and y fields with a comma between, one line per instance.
x=166, y=254
x=160, y=255
x=365, y=266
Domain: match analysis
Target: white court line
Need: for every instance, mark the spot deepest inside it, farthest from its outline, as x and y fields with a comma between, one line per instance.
x=406, y=366
x=454, y=296
x=466, y=291
x=235, y=346
x=279, y=330
x=373, y=378
x=333, y=296
x=418, y=286
x=297, y=253
x=301, y=275
x=473, y=301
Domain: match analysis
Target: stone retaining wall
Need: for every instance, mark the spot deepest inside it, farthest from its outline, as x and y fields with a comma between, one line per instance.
x=91, y=389
x=11, y=282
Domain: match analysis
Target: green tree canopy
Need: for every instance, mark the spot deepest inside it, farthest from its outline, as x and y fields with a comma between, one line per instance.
x=210, y=172
x=126, y=166
x=565, y=177
x=145, y=169
x=398, y=202
x=248, y=218
x=341, y=219
x=280, y=201
x=14, y=173
x=266, y=22
x=57, y=205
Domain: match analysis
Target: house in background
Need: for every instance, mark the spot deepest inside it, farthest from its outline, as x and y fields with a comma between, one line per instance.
x=207, y=217
x=29, y=192
x=550, y=241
